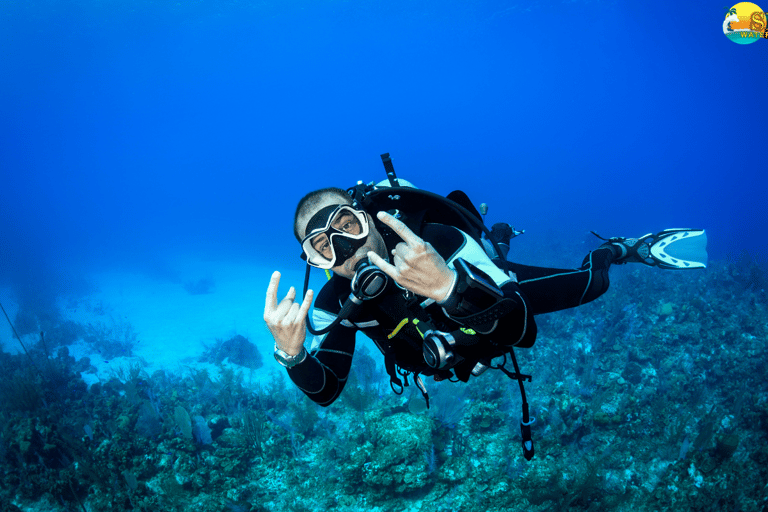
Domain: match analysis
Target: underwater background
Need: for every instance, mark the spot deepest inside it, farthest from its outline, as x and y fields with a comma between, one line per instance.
x=151, y=157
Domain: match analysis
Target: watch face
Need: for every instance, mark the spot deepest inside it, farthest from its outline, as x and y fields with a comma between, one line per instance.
x=289, y=361
x=282, y=358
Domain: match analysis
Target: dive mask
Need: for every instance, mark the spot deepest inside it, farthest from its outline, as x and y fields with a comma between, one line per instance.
x=334, y=234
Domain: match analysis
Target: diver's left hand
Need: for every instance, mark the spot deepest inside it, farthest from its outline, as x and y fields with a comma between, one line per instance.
x=416, y=265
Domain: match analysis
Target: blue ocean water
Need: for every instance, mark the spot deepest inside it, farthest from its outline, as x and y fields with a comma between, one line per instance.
x=137, y=134
x=133, y=128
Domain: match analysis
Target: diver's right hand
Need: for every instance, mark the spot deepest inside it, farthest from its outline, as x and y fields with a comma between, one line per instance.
x=286, y=320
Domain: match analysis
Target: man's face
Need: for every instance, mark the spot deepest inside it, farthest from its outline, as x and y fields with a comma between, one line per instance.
x=347, y=223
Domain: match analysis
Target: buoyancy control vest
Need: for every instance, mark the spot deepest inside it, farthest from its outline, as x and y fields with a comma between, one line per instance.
x=416, y=207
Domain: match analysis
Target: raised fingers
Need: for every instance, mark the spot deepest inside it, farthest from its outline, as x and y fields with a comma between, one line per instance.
x=271, y=303
x=384, y=265
x=306, y=304
x=403, y=231
x=298, y=312
x=285, y=304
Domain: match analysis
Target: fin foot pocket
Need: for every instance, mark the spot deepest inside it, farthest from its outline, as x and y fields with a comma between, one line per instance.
x=673, y=249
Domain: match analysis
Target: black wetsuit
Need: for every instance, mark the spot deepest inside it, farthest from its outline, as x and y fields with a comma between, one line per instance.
x=323, y=374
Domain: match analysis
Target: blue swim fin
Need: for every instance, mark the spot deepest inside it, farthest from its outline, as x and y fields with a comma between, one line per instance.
x=673, y=249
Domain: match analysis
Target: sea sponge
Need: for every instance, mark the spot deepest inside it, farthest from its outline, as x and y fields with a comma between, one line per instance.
x=396, y=454
x=666, y=309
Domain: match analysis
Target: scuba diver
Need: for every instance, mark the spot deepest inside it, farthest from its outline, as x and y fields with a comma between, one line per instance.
x=409, y=270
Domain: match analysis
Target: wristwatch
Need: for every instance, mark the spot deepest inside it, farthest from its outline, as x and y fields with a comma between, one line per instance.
x=289, y=361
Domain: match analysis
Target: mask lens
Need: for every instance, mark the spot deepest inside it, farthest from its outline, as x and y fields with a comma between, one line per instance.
x=347, y=222
x=323, y=246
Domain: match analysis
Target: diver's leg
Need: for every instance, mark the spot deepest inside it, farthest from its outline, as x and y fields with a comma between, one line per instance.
x=552, y=289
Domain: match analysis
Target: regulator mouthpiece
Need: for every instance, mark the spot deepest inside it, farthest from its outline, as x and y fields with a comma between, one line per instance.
x=369, y=280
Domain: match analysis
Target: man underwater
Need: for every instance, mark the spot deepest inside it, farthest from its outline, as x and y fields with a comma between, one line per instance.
x=428, y=295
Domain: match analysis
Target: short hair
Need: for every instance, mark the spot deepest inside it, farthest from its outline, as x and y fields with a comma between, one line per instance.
x=312, y=199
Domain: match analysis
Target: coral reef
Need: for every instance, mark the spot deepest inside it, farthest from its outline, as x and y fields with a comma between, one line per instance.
x=651, y=398
x=237, y=349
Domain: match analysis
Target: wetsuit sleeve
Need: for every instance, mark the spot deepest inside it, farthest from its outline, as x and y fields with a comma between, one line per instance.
x=323, y=374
